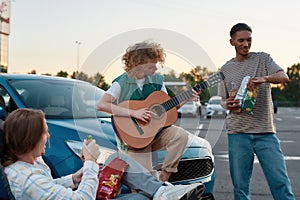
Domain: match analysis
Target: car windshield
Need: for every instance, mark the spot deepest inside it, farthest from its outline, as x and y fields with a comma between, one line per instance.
x=60, y=99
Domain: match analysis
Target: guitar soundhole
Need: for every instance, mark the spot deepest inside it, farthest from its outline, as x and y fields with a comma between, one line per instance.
x=157, y=111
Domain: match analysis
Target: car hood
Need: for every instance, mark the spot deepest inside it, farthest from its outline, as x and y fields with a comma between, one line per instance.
x=78, y=129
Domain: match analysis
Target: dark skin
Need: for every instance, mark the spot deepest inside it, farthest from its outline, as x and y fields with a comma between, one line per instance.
x=241, y=41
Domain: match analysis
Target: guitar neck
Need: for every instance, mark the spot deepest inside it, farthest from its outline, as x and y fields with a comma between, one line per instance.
x=175, y=101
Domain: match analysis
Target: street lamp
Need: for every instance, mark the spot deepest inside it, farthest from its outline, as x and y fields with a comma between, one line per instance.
x=77, y=43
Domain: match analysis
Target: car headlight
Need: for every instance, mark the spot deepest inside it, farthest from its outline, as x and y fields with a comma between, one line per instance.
x=198, y=141
x=76, y=147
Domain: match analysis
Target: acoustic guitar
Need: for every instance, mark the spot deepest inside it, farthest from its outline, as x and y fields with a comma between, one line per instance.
x=137, y=134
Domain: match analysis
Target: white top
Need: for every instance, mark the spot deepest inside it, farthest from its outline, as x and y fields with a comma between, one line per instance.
x=115, y=88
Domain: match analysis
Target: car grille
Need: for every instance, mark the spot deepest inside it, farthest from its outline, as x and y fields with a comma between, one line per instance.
x=192, y=169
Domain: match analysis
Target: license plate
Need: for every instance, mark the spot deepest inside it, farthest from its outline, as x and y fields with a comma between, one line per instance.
x=220, y=112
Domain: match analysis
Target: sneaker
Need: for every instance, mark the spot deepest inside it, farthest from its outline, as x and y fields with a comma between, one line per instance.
x=181, y=192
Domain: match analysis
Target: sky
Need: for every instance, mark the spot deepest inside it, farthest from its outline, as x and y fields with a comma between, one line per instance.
x=43, y=33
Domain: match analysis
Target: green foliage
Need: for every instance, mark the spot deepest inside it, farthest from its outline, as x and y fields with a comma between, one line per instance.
x=32, y=72
x=82, y=76
x=62, y=73
x=47, y=74
x=195, y=76
x=291, y=88
x=171, y=76
x=289, y=93
x=74, y=75
x=97, y=80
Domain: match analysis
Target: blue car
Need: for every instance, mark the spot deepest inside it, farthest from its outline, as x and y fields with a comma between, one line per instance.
x=71, y=115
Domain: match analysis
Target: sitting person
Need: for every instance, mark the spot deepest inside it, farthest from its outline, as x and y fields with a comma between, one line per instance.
x=137, y=83
x=26, y=134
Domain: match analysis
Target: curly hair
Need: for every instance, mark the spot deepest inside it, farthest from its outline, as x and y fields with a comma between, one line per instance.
x=142, y=53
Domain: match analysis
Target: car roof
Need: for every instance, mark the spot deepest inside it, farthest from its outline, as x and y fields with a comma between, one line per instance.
x=35, y=77
x=215, y=97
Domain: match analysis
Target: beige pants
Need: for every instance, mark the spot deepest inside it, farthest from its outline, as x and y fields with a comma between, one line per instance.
x=172, y=139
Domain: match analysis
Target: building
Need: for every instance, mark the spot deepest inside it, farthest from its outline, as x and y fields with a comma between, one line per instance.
x=4, y=33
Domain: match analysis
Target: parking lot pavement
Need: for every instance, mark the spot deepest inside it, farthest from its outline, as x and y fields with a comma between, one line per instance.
x=288, y=126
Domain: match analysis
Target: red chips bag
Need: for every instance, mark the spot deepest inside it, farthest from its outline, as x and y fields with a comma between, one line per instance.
x=110, y=179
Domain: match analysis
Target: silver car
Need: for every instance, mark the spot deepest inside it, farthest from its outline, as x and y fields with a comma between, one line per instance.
x=214, y=107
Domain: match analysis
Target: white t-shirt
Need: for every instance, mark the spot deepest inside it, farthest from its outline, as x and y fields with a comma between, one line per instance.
x=115, y=88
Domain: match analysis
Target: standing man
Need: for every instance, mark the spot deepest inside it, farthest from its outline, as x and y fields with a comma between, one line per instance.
x=250, y=134
x=137, y=83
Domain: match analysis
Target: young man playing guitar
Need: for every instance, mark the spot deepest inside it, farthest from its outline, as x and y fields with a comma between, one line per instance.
x=137, y=83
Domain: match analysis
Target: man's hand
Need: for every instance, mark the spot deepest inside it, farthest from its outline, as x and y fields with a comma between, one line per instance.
x=232, y=104
x=254, y=82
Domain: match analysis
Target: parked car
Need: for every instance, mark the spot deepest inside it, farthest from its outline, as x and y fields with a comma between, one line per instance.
x=214, y=107
x=189, y=108
x=70, y=109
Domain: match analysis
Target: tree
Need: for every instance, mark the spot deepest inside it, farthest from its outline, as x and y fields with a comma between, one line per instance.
x=32, y=72
x=195, y=76
x=74, y=75
x=291, y=88
x=82, y=76
x=171, y=76
x=62, y=73
x=47, y=74
x=99, y=81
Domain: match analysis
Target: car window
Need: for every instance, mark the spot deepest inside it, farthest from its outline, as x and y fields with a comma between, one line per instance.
x=65, y=99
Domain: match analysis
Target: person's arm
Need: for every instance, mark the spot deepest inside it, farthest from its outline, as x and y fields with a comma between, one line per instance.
x=90, y=151
x=35, y=182
x=106, y=104
x=276, y=78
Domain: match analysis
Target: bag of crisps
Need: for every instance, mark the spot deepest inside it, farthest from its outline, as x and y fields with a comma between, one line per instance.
x=110, y=179
x=247, y=98
x=249, y=101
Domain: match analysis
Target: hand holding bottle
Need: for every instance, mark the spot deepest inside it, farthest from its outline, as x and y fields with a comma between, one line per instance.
x=90, y=150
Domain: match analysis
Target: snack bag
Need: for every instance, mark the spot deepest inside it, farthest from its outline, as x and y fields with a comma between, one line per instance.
x=110, y=179
x=249, y=101
x=247, y=98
